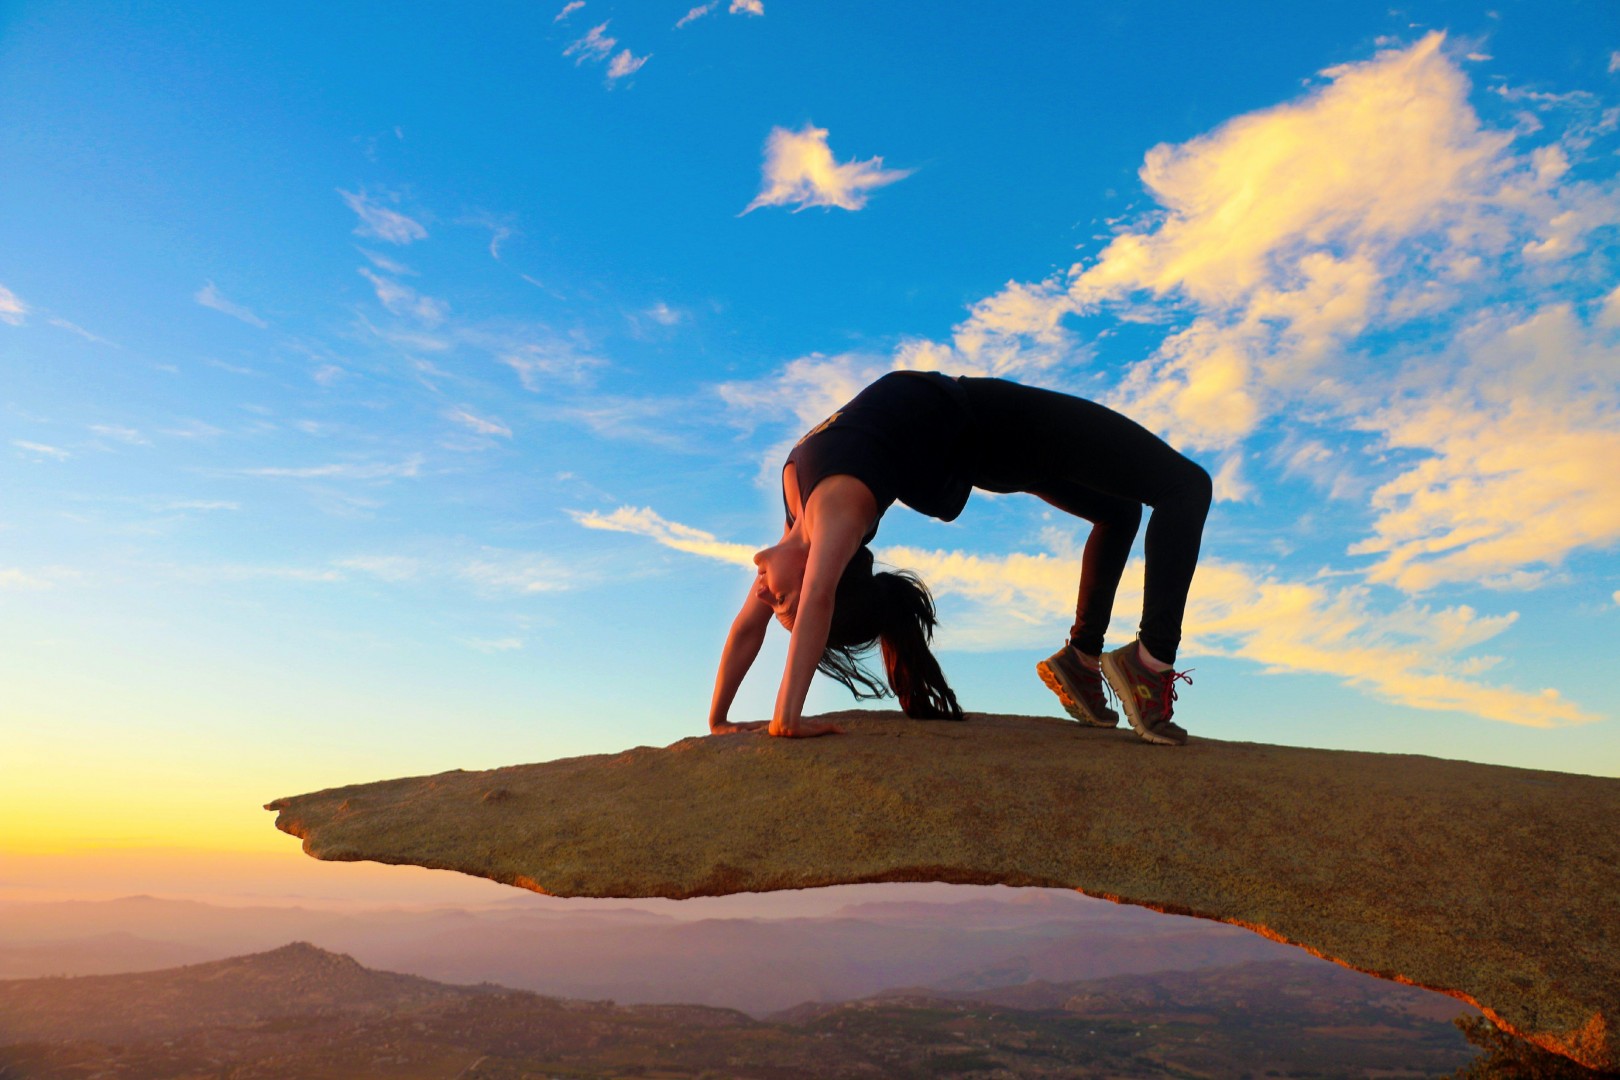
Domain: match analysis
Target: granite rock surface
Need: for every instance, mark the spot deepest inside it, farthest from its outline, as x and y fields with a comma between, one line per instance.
x=1500, y=886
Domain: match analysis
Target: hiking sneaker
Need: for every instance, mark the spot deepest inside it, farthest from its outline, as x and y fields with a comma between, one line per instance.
x=1080, y=689
x=1147, y=696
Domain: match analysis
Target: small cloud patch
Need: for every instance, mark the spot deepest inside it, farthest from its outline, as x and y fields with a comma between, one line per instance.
x=209, y=296
x=799, y=170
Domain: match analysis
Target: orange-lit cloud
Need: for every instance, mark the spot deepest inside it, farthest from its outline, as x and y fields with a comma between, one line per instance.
x=1409, y=656
x=1518, y=449
x=799, y=170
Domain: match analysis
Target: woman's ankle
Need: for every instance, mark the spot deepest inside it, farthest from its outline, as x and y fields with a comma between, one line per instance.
x=1091, y=663
x=1149, y=661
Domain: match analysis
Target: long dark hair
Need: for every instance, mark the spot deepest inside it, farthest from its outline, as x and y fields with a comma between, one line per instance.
x=892, y=609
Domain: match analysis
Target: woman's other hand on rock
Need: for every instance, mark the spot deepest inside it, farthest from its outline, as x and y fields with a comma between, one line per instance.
x=803, y=729
x=726, y=727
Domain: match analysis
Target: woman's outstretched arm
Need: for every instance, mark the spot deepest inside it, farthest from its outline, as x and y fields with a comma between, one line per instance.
x=840, y=510
x=742, y=645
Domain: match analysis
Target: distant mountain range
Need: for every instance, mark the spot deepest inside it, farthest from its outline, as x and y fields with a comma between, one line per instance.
x=301, y=1011
x=630, y=955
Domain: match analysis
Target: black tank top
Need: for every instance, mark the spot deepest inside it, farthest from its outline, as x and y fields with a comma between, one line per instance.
x=906, y=437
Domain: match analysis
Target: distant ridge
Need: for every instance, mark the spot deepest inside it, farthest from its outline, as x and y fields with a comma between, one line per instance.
x=294, y=980
x=302, y=1011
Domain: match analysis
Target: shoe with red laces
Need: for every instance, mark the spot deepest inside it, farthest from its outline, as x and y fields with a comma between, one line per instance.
x=1080, y=689
x=1147, y=696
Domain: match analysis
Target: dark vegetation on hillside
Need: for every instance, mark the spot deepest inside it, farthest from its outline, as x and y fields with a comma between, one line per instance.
x=299, y=1011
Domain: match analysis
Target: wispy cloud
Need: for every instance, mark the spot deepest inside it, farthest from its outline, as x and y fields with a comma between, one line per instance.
x=201, y=504
x=410, y=467
x=404, y=300
x=642, y=521
x=209, y=296
x=12, y=310
x=799, y=170
x=385, y=264
x=73, y=328
x=495, y=645
x=568, y=9
x=469, y=419
x=662, y=314
x=392, y=568
x=625, y=64
x=121, y=434
x=747, y=7
x=519, y=572
x=380, y=222
x=696, y=13
x=540, y=365
x=595, y=45
x=41, y=451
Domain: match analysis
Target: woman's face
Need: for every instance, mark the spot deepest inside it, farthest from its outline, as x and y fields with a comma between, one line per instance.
x=781, y=575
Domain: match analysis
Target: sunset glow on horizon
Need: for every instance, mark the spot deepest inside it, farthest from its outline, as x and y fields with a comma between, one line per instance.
x=395, y=390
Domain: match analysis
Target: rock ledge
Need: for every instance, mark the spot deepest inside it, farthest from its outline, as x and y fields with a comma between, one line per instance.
x=1499, y=886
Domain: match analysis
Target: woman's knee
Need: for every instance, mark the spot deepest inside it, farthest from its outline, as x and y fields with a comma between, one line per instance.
x=1193, y=486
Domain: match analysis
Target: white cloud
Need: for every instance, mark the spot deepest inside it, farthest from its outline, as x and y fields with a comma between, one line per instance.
x=540, y=365
x=41, y=450
x=696, y=13
x=387, y=265
x=1614, y=62
x=799, y=169
x=410, y=467
x=519, y=572
x=625, y=64
x=201, y=504
x=642, y=521
x=12, y=309
x=121, y=433
x=72, y=328
x=404, y=300
x=392, y=568
x=568, y=9
x=209, y=296
x=467, y=418
x=380, y=222
x=595, y=45
x=662, y=314
x=747, y=7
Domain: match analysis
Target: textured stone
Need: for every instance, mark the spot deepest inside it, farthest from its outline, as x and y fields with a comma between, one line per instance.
x=1499, y=886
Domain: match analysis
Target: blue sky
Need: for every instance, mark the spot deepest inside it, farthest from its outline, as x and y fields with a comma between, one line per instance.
x=390, y=389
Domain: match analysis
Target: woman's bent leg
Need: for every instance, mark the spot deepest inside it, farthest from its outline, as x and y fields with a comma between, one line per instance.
x=1036, y=440
x=1113, y=529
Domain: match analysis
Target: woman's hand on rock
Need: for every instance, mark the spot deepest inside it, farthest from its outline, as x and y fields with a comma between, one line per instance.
x=726, y=727
x=804, y=729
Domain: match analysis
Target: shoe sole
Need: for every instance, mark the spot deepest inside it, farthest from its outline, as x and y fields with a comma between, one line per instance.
x=1070, y=705
x=1127, y=700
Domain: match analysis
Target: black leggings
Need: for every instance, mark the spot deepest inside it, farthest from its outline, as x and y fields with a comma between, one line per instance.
x=1090, y=461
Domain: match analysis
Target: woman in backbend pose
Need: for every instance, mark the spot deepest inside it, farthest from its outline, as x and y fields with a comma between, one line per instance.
x=927, y=439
